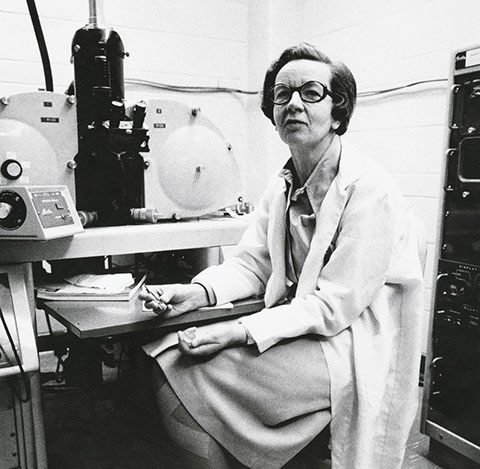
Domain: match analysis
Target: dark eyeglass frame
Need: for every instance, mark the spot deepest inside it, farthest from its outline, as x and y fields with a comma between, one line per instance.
x=292, y=89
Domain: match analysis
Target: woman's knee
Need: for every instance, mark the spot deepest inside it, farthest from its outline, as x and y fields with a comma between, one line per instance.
x=194, y=447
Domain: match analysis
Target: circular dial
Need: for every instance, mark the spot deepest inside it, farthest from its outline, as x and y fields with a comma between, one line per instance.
x=13, y=210
x=11, y=169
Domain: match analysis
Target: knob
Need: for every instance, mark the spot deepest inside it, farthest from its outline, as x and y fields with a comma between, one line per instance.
x=11, y=169
x=117, y=113
x=456, y=289
x=475, y=94
x=13, y=211
x=139, y=114
x=5, y=210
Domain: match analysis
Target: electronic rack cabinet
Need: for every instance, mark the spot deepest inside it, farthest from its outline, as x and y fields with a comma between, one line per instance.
x=451, y=406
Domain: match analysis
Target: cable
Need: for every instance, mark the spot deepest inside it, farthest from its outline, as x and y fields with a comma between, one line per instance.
x=365, y=94
x=26, y=382
x=47, y=69
x=212, y=89
x=188, y=89
x=177, y=88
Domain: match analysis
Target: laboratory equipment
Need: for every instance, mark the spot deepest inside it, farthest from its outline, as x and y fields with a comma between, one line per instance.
x=38, y=140
x=109, y=169
x=191, y=169
x=121, y=162
x=451, y=407
x=37, y=212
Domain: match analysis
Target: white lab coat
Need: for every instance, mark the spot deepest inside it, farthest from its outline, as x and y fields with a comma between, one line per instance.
x=366, y=302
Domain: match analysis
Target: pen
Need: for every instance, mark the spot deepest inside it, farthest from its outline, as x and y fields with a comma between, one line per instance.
x=155, y=295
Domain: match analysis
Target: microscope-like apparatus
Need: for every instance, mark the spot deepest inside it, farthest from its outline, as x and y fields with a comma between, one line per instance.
x=88, y=159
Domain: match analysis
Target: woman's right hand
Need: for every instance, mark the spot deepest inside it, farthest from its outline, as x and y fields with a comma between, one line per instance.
x=171, y=300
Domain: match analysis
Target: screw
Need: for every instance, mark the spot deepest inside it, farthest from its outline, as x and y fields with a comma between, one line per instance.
x=72, y=164
x=196, y=111
x=5, y=100
x=71, y=99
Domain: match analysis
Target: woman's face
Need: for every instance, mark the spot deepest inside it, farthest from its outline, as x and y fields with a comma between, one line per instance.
x=306, y=126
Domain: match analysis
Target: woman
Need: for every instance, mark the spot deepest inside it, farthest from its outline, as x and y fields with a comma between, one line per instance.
x=334, y=248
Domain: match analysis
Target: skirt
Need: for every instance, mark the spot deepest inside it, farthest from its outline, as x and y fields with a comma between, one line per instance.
x=263, y=408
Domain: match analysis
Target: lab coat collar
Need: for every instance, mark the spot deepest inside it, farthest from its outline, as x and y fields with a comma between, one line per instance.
x=352, y=165
x=321, y=177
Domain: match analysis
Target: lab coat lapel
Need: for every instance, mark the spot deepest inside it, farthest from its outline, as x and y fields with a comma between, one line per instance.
x=328, y=218
x=276, y=289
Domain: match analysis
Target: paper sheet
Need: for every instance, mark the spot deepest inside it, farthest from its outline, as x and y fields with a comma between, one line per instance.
x=109, y=283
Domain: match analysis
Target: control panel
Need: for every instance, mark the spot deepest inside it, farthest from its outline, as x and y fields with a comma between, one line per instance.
x=458, y=296
x=37, y=212
x=452, y=374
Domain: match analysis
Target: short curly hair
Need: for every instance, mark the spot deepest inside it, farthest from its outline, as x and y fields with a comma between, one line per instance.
x=343, y=85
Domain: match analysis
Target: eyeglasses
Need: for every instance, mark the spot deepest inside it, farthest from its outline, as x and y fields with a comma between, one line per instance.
x=310, y=92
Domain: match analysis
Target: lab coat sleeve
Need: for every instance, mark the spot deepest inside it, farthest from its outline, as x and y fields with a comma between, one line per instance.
x=348, y=283
x=247, y=272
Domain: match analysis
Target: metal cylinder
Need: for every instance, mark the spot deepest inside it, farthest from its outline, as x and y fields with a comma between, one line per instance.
x=96, y=13
x=87, y=218
x=144, y=215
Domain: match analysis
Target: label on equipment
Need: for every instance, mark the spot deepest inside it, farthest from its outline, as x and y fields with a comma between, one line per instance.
x=472, y=57
x=53, y=120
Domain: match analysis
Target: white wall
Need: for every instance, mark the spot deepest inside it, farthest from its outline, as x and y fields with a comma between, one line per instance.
x=393, y=43
x=231, y=43
x=386, y=44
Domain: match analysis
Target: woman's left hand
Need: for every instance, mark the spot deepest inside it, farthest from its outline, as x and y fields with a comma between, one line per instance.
x=207, y=340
